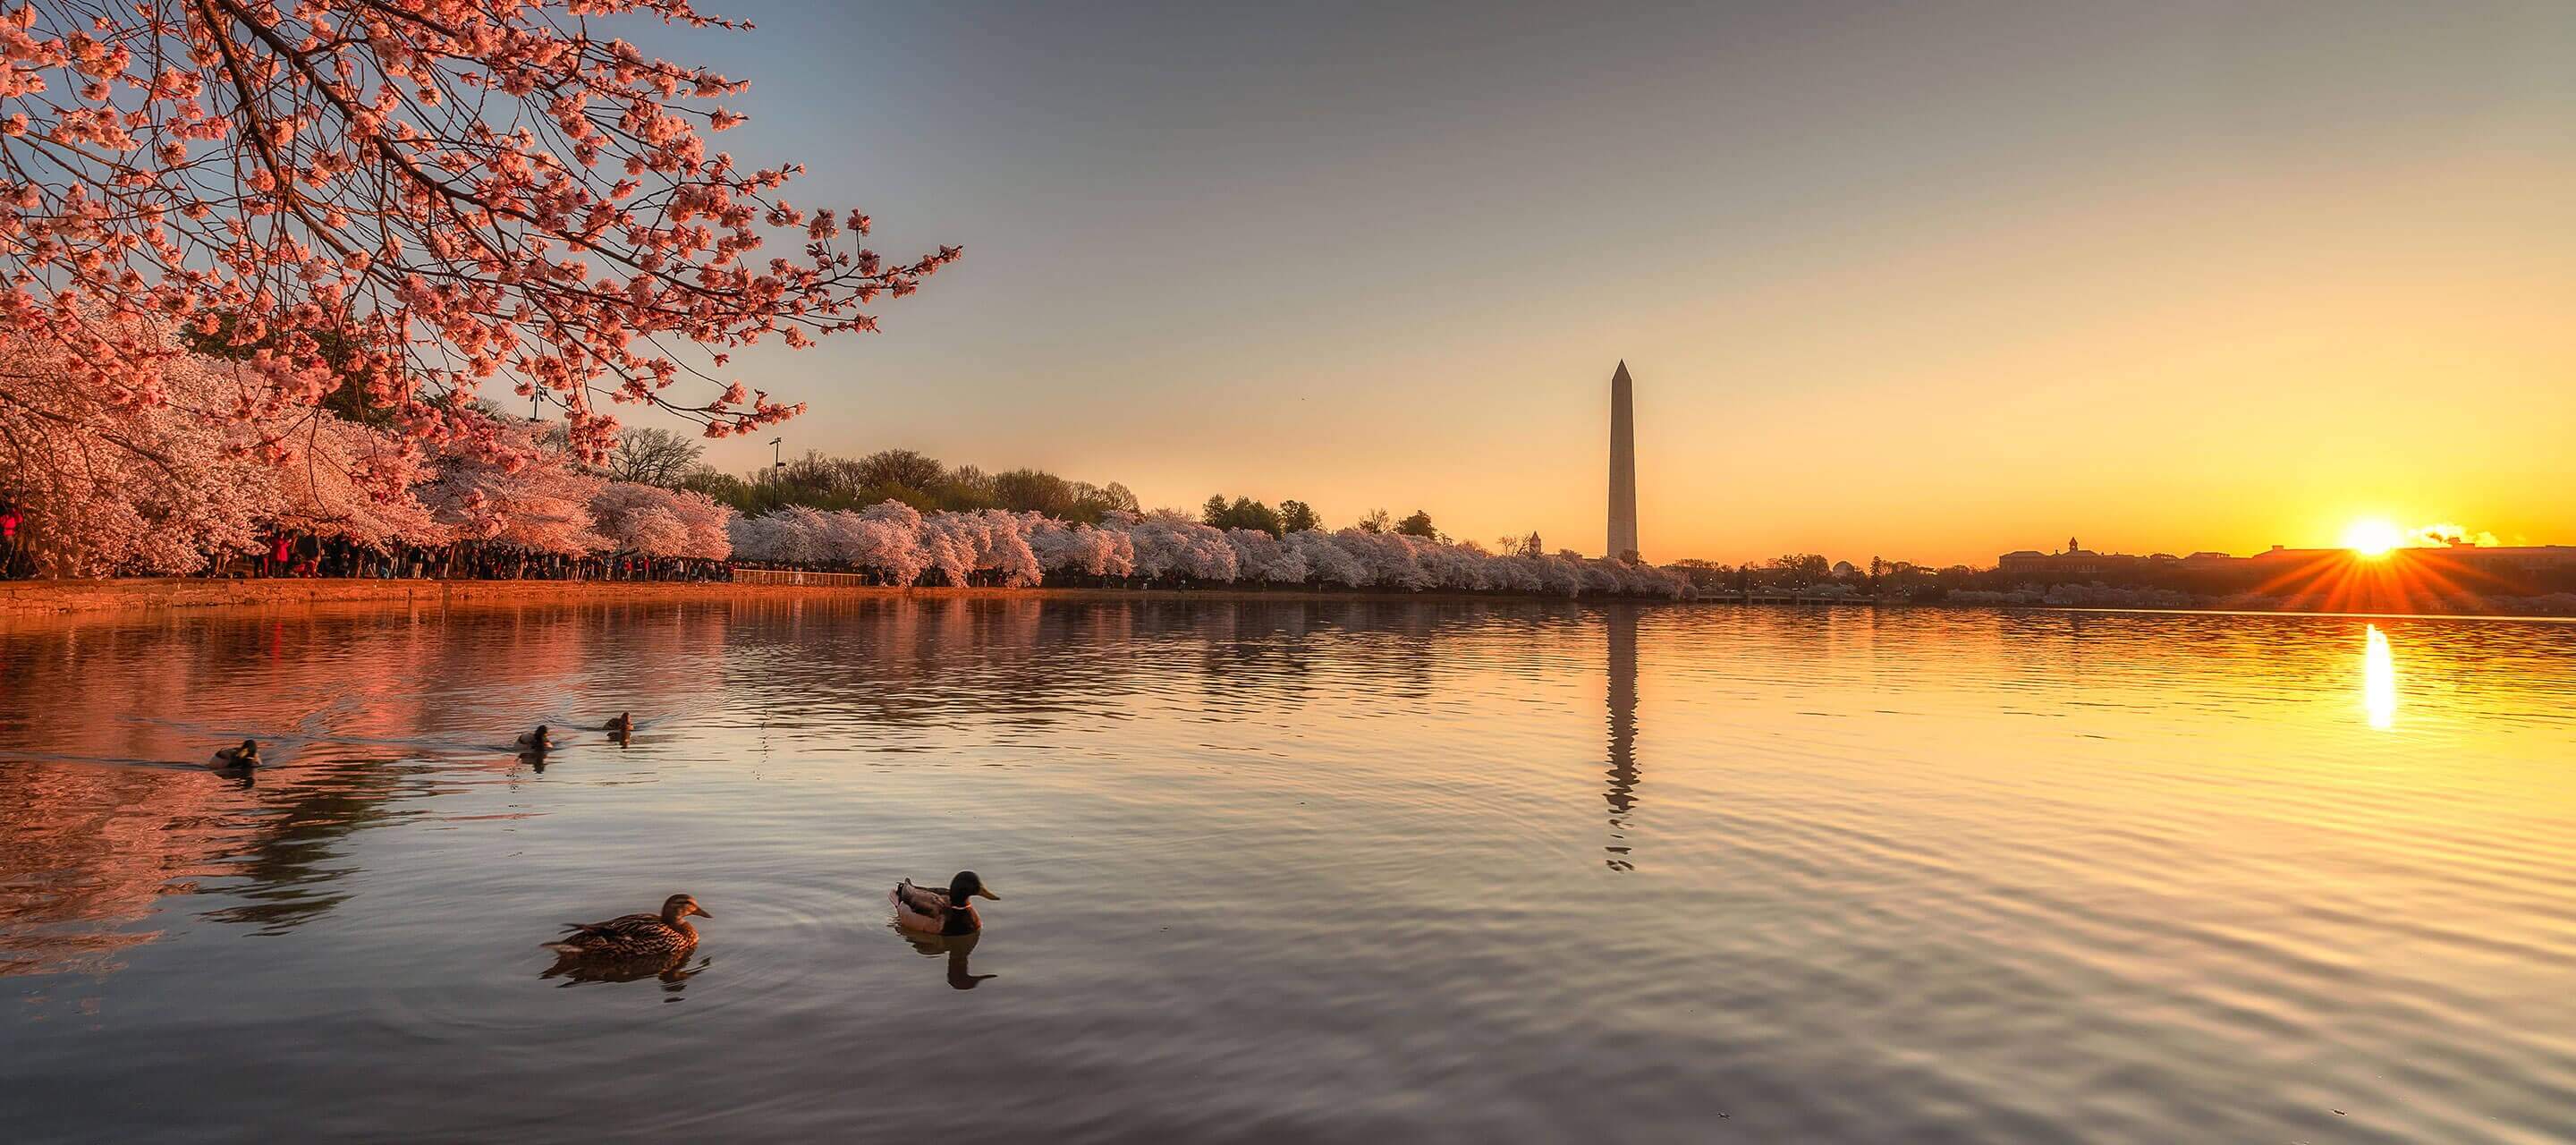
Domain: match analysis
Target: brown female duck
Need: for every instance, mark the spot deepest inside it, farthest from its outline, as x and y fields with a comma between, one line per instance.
x=634, y=935
x=935, y=911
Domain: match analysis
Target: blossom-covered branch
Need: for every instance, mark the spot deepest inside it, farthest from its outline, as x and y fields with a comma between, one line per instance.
x=442, y=192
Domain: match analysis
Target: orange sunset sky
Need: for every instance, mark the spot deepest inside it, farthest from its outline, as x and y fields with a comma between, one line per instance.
x=1932, y=284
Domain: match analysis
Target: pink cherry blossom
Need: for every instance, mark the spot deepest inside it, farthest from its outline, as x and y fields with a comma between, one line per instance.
x=422, y=197
x=523, y=494
x=114, y=479
x=655, y=522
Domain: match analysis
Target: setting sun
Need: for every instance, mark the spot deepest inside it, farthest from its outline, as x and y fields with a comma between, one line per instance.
x=2373, y=538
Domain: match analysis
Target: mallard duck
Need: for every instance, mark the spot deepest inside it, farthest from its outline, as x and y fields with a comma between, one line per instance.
x=635, y=935
x=623, y=725
x=247, y=755
x=930, y=909
x=535, y=742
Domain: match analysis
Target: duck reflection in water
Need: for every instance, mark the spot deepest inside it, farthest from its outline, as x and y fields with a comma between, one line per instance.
x=956, y=947
x=673, y=971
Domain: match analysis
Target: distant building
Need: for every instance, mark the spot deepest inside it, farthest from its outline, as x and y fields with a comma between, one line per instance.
x=2073, y=562
x=1846, y=568
x=2530, y=558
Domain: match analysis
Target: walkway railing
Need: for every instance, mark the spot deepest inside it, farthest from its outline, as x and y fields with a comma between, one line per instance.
x=792, y=576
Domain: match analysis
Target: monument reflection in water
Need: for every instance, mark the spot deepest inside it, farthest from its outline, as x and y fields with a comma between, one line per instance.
x=1621, y=619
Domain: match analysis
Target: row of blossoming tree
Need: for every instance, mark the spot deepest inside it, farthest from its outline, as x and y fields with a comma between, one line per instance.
x=187, y=481
x=897, y=544
x=201, y=472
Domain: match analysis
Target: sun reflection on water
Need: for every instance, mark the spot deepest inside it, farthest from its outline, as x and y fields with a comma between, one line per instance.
x=2379, y=681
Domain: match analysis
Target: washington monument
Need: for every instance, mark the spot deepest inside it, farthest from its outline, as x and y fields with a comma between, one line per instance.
x=1623, y=468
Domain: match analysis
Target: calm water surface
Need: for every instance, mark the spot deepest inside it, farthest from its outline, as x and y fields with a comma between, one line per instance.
x=1296, y=871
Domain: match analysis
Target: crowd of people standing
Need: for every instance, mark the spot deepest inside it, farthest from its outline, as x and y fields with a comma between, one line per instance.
x=308, y=556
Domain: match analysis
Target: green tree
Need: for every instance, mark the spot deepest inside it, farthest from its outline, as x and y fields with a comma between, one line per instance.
x=1802, y=568
x=1298, y=517
x=1036, y=491
x=1242, y=513
x=1250, y=514
x=820, y=481
x=1090, y=502
x=724, y=487
x=966, y=490
x=904, y=467
x=1418, y=525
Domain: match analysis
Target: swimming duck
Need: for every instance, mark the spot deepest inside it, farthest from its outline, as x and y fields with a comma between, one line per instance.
x=535, y=741
x=635, y=935
x=623, y=725
x=247, y=755
x=951, y=911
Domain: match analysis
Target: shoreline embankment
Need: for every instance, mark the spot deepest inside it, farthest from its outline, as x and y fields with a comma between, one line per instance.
x=31, y=598
x=143, y=596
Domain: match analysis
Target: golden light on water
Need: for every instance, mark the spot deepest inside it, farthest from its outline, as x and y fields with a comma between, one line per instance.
x=2373, y=538
x=2379, y=681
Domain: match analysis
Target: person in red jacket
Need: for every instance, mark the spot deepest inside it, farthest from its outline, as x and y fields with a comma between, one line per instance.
x=9, y=522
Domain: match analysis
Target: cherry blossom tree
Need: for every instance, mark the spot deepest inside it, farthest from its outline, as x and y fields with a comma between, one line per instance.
x=708, y=522
x=757, y=539
x=1169, y=544
x=893, y=541
x=1262, y=557
x=1078, y=549
x=1388, y=557
x=999, y=546
x=114, y=481
x=336, y=478
x=413, y=196
x=657, y=522
x=1327, y=561
x=1459, y=567
x=518, y=494
x=950, y=541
